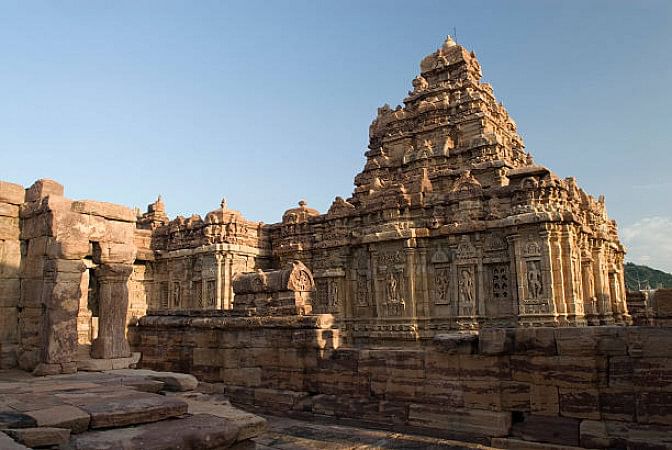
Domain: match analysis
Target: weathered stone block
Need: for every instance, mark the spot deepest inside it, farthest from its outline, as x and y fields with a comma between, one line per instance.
x=580, y=403
x=63, y=416
x=7, y=443
x=40, y=437
x=617, y=404
x=515, y=396
x=457, y=342
x=495, y=341
x=43, y=188
x=248, y=376
x=544, y=400
x=9, y=210
x=654, y=407
x=475, y=367
x=103, y=209
x=555, y=430
x=442, y=392
x=460, y=421
x=10, y=292
x=539, y=341
x=649, y=342
x=9, y=325
x=562, y=371
x=12, y=193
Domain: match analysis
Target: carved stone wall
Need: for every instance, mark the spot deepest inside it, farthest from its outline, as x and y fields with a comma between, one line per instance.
x=452, y=224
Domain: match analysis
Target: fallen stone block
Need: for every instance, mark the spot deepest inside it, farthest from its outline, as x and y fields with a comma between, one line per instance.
x=250, y=425
x=173, y=381
x=39, y=437
x=123, y=408
x=198, y=432
x=64, y=416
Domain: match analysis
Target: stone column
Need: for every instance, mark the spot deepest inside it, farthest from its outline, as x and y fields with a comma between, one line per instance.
x=60, y=295
x=410, y=283
x=113, y=297
x=557, y=284
x=422, y=275
x=218, y=292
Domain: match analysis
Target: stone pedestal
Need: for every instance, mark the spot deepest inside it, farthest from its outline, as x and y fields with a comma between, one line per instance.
x=111, y=341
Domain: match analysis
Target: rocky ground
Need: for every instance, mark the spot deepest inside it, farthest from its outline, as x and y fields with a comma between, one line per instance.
x=119, y=409
x=142, y=409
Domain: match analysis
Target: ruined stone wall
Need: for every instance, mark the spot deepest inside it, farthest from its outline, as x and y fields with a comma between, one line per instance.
x=54, y=252
x=651, y=308
x=11, y=197
x=592, y=387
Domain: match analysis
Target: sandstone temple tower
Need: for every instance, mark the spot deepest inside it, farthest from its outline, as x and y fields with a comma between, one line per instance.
x=451, y=226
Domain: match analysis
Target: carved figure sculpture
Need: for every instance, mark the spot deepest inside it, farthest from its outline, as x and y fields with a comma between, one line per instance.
x=534, y=284
x=466, y=286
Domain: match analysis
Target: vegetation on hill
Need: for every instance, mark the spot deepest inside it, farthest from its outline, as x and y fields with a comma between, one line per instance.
x=643, y=277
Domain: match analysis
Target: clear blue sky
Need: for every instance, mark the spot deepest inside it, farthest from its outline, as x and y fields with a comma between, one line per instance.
x=266, y=103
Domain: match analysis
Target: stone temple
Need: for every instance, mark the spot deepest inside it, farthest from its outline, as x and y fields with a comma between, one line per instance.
x=459, y=272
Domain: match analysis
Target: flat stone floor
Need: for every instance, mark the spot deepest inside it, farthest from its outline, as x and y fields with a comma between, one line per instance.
x=284, y=433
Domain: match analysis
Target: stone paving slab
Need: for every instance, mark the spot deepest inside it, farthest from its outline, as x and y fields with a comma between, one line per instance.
x=124, y=407
x=250, y=425
x=39, y=437
x=118, y=409
x=174, y=381
x=197, y=432
x=286, y=434
x=64, y=416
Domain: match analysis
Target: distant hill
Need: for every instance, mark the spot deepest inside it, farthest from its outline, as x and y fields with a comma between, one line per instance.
x=643, y=277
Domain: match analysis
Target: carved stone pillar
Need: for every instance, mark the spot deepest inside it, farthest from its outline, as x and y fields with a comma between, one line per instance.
x=113, y=296
x=602, y=286
x=61, y=295
x=411, y=308
x=555, y=258
x=571, y=278
x=423, y=282
x=218, y=274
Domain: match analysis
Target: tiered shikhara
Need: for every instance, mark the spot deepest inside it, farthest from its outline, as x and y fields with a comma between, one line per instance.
x=451, y=226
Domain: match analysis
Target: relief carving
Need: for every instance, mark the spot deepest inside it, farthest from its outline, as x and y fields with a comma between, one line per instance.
x=466, y=290
x=535, y=287
x=442, y=286
x=500, y=282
